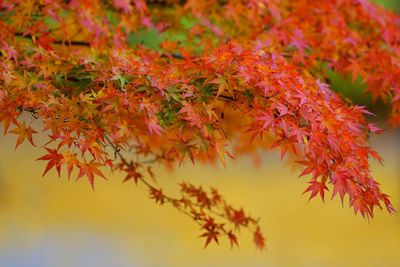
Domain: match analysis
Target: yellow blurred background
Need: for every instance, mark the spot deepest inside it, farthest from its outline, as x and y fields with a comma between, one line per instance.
x=51, y=221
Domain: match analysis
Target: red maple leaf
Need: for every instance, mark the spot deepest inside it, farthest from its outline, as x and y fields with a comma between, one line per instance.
x=316, y=188
x=54, y=160
x=211, y=234
x=259, y=239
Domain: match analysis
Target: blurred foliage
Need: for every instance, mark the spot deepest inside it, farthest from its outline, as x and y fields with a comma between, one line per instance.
x=342, y=84
x=355, y=91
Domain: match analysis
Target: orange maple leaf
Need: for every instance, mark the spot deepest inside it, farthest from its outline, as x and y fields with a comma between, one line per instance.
x=23, y=133
x=89, y=169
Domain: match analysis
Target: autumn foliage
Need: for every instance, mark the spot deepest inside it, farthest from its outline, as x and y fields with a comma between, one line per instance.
x=127, y=84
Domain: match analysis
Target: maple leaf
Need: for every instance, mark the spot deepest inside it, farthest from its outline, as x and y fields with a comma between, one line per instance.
x=238, y=218
x=360, y=205
x=211, y=235
x=232, y=239
x=23, y=133
x=339, y=186
x=191, y=115
x=259, y=239
x=209, y=223
x=355, y=69
x=70, y=160
x=89, y=169
x=7, y=118
x=265, y=86
x=222, y=85
x=216, y=197
x=54, y=160
x=157, y=195
x=153, y=126
x=316, y=188
x=220, y=148
x=132, y=173
x=373, y=128
x=387, y=203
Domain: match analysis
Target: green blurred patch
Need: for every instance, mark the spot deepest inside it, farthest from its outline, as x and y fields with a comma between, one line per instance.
x=353, y=91
x=149, y=38
x=390, y=4
x=152, y=39
x=112, y=17
x=51, y=23
x=188, y=22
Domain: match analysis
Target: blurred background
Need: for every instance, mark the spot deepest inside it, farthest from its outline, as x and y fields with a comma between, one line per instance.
x=51, y=221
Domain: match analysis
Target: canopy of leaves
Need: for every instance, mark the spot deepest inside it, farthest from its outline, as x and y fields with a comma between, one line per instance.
x=164, y=81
